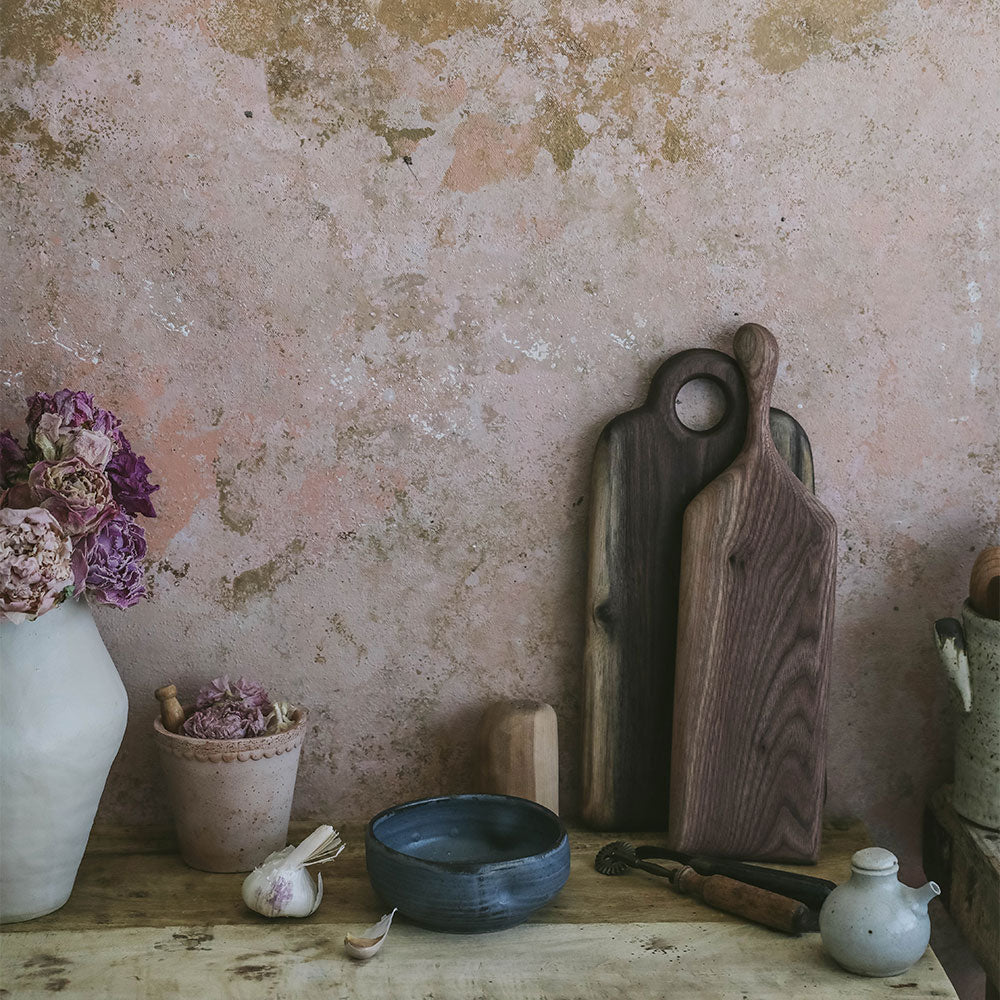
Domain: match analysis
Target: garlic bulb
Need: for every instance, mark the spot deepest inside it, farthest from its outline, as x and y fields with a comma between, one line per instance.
x=281, y=886
x=367, y=943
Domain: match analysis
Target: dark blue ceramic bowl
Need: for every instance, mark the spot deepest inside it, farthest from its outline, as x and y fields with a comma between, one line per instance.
x=467, y=863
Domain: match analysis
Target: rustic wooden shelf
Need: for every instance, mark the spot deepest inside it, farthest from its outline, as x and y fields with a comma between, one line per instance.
x=140, y=923
x=964, y=859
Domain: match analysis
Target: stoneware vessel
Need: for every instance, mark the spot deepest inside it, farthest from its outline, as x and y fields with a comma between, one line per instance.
x=970, y=652
x=63, y=710
x=873, y=924
x=467, y=863
x=231, y=799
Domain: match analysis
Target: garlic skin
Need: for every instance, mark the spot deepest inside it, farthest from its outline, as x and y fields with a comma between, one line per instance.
x=368, y=942
x=281, y=886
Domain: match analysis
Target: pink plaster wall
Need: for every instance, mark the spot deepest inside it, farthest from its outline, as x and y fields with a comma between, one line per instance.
x=367, y=337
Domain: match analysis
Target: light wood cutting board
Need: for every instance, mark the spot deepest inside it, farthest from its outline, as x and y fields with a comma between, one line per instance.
x=758, y=568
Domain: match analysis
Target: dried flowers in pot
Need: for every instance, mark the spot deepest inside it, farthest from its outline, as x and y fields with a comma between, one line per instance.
x=230, y=771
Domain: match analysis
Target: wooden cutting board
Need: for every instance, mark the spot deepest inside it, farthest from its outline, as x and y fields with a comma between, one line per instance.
x=647, y=467
x=755, y=622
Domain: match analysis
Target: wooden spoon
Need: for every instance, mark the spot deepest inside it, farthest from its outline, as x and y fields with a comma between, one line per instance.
x=984, y=584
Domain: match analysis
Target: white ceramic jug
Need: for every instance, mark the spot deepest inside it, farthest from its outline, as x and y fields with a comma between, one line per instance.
x=62, y=717
x=873, y=924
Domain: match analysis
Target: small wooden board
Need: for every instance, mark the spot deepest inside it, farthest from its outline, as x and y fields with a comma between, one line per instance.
x=755, y=621
x=519, y=752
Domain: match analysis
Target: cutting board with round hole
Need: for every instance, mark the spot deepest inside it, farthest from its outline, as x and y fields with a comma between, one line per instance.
x=647, y=466
x=754, y=628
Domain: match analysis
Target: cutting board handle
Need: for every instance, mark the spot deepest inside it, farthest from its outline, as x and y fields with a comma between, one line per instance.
x=688, y=366
x=757, y=352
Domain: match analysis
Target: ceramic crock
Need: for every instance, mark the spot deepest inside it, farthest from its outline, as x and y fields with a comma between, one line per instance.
x=970, y=653
x=231, y=799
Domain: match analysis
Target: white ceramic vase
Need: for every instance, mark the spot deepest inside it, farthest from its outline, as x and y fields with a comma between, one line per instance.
x=63, y=710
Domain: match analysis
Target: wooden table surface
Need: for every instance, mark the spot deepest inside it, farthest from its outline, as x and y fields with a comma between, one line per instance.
x=142, y=924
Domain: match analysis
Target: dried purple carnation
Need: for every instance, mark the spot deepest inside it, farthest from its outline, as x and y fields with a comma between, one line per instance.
x=114, y=555
x=130, y=485
x=225, y=720
x=77, y=494
x=249, y=694
x=222, y=721
x=229, y=711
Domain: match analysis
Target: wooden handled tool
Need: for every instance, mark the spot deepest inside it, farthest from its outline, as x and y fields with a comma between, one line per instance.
x=806, y=889
x=171, y=713
x=721, y=892
x=748, y=901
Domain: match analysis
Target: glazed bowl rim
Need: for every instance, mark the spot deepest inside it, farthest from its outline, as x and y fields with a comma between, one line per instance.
x=560, y=840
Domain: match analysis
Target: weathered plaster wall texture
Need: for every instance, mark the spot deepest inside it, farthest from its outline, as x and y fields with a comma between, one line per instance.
x=365, y=279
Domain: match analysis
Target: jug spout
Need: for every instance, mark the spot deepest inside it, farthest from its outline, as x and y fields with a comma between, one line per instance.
x=922, y=896
x=951, y=648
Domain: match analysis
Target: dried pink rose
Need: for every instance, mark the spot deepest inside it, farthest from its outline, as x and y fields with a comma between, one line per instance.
x=78, y=494
x=36, y=563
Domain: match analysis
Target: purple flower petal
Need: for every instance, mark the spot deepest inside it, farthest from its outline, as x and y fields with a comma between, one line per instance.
x=13, y=465
x=114, y=555
x=130, y=486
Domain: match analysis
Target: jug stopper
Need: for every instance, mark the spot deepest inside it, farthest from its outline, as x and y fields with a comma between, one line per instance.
x=874, y=861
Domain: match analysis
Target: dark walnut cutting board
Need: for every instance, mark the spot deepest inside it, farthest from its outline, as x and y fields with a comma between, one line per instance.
x=647, y=467
x=755, y=619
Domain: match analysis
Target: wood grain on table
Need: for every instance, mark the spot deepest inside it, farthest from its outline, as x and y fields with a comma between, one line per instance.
x=142, y=924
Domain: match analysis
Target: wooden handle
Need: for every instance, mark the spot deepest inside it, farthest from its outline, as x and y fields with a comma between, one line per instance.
x=984, y=583
x=171, y=713
x=748, y=901
x=757, y=352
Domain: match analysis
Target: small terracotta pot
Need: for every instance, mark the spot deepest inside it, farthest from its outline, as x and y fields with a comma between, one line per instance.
x=231, y=799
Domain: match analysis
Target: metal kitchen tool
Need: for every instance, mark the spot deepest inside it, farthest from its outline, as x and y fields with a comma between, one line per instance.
x=806, y=889
x=720, y=892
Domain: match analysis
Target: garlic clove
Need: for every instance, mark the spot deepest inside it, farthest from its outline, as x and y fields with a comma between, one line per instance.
x=368, y=942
